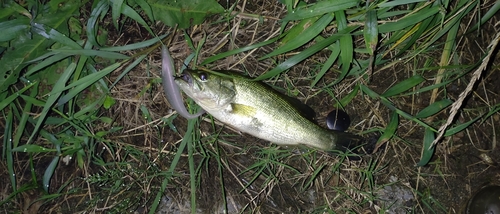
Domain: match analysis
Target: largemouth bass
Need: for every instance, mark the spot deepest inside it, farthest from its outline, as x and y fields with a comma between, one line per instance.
x=255, y=108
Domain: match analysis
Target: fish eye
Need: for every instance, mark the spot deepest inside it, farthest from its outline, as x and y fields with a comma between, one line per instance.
x=203, y=76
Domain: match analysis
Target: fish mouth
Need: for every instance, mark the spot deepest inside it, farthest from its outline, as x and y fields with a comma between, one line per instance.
x=186, y=77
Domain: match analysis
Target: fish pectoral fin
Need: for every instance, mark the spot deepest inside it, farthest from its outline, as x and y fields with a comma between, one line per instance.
x=243, y=110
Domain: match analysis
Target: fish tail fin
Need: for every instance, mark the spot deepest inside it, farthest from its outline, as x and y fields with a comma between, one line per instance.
x=347, y=142
x=354, y=146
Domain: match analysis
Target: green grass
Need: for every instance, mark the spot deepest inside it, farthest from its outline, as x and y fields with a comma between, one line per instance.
x=56, y=96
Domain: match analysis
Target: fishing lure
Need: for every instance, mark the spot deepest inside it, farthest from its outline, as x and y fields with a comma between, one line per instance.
x=172, y=91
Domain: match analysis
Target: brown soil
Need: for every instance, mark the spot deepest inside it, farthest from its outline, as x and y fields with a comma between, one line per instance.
x=295, y=182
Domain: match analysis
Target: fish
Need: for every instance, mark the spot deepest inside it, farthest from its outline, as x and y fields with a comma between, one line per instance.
x=172, y=92
x=255, y=108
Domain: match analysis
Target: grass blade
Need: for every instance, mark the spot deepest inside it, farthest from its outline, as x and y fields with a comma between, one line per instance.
x=134, y=46
x=192, y=173
x=390, y=130
x=370, y=32
x=131, y=13
x=305, y=54
x=417, y=16
x=13, y=28
x=82, y=84
x=459, y=128
x=116, y=10
x=346, y=46
x=328, y=64
x=4, y=103
x=397, y=3
x=307, y=32
x=32, y=148
x=47, y=175
x=128, y=69
x=236, y=51
x=52, y=34
x=51, y=100
x=101, y=8
x=434, y=108
x=403, y=86
x=487, y=16
x=46, y=62
x=100, y=53
x=146, y=8
x=7, y=150
x=170, y=172
x=21, y=127
x=428, y=149
x=319, y=8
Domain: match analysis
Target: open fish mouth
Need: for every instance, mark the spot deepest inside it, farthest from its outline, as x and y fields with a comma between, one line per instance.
x=186, y=77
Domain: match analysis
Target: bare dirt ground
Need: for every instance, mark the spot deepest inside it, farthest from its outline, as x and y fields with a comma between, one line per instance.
x=295, y=182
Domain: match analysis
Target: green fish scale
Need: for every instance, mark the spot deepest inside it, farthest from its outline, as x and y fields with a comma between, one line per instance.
x=281, y=123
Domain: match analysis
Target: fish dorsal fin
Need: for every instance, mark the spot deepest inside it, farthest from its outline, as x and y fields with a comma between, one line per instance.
x=304, y=110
